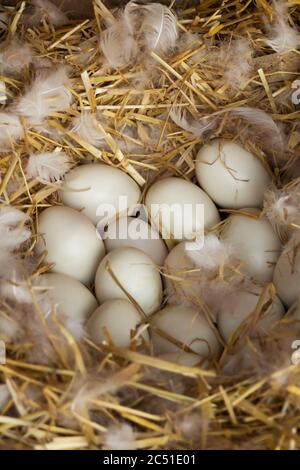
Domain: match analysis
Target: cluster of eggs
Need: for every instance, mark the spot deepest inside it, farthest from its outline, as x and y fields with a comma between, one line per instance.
x=125, y=270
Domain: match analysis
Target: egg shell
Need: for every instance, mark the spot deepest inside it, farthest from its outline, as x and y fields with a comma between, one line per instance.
x=287, y=276
x=236, y=307
x=119, y=317
x=184, y=359
x=89, y=187
x=181, y=280
x=184, y=221
x=135, y=272
x=74, y=302
x=230, y=175
x=71, y=242
x=136, y=233
x=186, y=325
x=255, y=243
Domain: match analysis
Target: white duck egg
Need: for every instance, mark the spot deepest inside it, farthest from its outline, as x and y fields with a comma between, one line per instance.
x=71, y=243
x=73, y=301
x=179, y=209
x=97, y=189
x=230, y=175
x=136, y=233
x=129, y=273
x=238, y=306
x=287, y=275
x=117, y=320
x=255, y=243
x=187, y=327
x=181, y=279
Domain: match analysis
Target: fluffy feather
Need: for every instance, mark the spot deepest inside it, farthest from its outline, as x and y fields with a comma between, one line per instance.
x=158, y=29
x=13, y=285
x=85, y=126
x=120, y=438
x=149, y=28
x=182, y=118
x=12, y=230
x=14, y=56
x=283, y=206
x=281, y=36
x=47, y=94
x=10, y=130
x=264, y=127
x=209, y=252
x=48, y=166
x=238, y=65
x=51, y=12
x=118, y=43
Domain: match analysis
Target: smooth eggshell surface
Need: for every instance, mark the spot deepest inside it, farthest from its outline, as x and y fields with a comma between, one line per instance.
x=238, y=306
x=119, y=318
x=71, y=242
x=93, y=186
x=287, y=276
x=186, y=325
x=182, y=280
x=129, y=271
x=136, y=233
x=255, y=243
x=175, y=204
x=230, y=175
x=74, y=302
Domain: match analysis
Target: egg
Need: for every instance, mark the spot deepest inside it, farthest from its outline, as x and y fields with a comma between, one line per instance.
x=136, y=233
x=184, y=359
x=238, y=306
x=287, y=276
x=94, y=187
x=73, y=301
x=176, y=208
x=71, y=243
x=120, y=319
x=128, y=272
x=181, y=279
x=255, y=243
x=187, y=326
x=230, y=175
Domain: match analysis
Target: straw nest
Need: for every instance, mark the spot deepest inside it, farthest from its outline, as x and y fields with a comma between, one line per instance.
x=94, y=397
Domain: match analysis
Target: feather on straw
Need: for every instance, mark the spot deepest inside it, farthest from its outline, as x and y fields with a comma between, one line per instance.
x=48, y=166
x=48, y=94
x=281, y=36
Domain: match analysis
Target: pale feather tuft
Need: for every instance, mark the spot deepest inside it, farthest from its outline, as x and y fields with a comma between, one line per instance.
x=13, y=231
x=50, y=11
x=209, y=252
x=183, y=119
x=14, y=56
x=85, y=126
x=283, y=206
x=264, y=127
x=120, y=438
x=48, y=166
x=145, y=28
x=10, y=130
x=281, y=36
x=238, y=65
x=158, y=29
x=118, y=43
x=48, y=94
